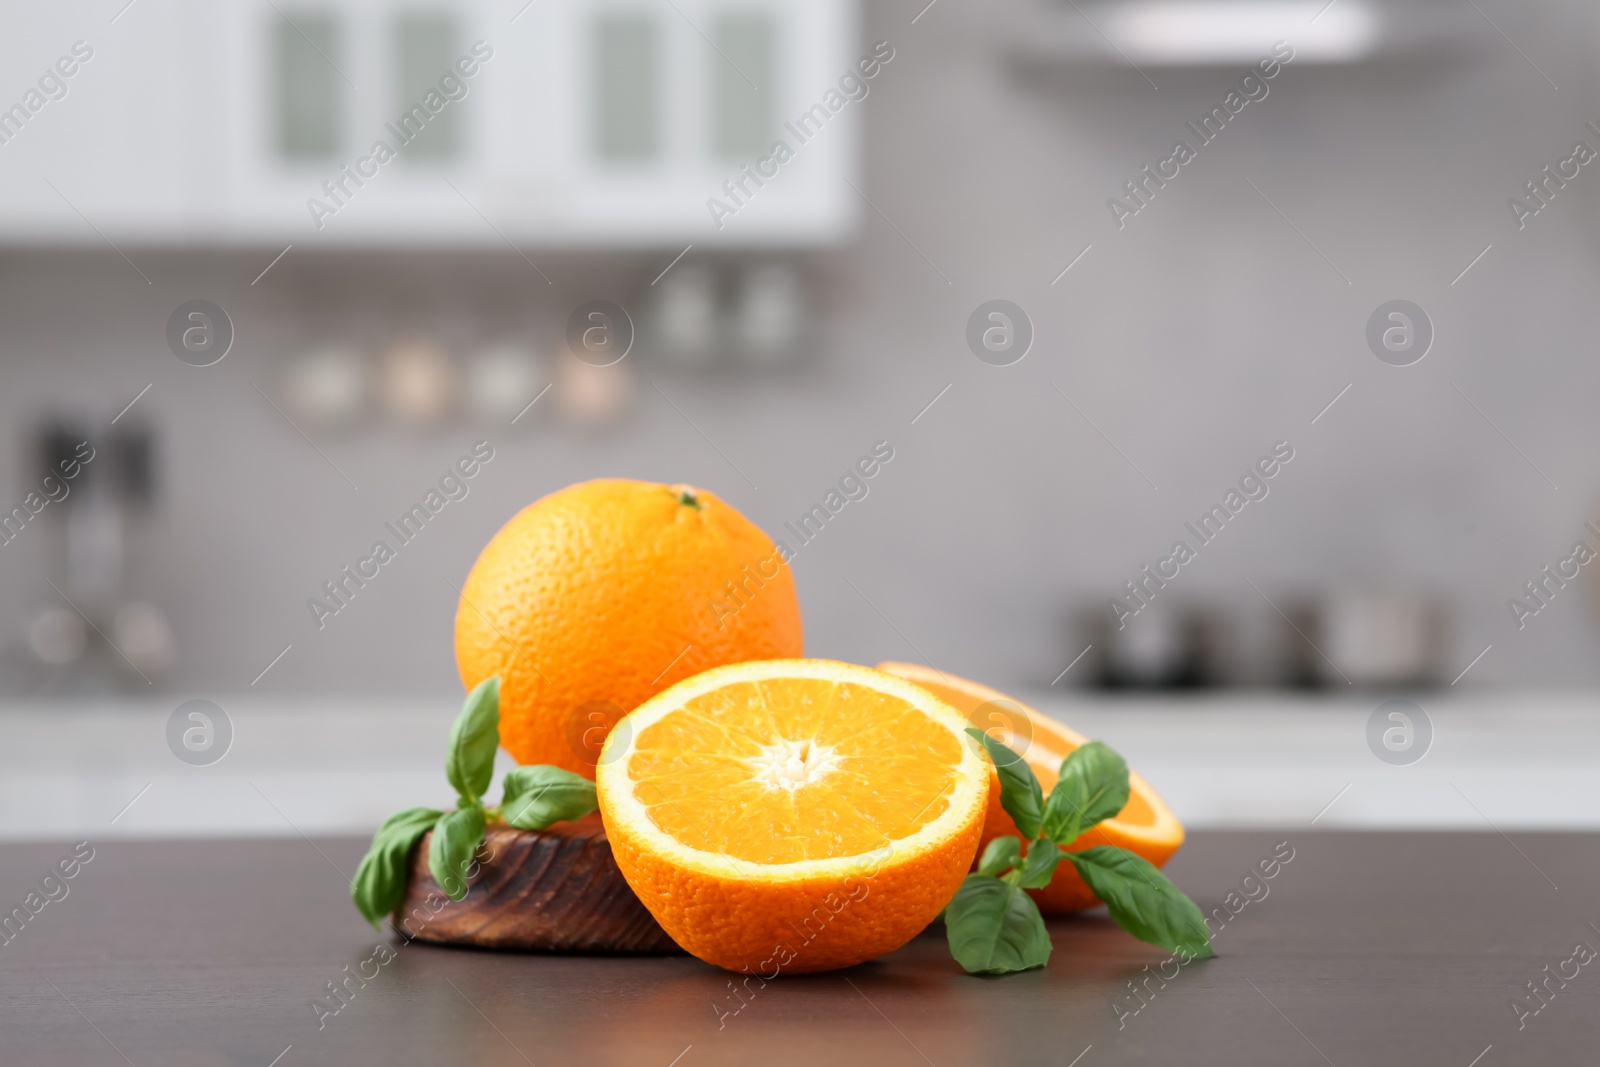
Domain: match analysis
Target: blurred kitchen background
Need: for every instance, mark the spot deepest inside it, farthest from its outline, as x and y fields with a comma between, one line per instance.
x=373, y=330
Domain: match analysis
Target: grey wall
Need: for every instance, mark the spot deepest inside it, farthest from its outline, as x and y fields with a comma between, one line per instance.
x=1194, y=338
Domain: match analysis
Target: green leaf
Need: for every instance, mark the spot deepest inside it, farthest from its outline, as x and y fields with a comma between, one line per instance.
x=473, y=740
x=1093, y=786
x=539, y=795
x=1020, y=794
x=1061, y=823
x=1142, y=901
x=1041, y=864
x=1001, y=855
x=380, y=882
x=455, y=838
x=995, y=928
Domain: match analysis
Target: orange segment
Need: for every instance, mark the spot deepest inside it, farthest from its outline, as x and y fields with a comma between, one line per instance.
x=1145, y=826
x=793, y=815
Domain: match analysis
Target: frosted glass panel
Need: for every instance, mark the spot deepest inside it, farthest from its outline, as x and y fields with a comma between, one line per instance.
x=743, y=70
x=627, y=64
x=308, y=86
x=425, y=46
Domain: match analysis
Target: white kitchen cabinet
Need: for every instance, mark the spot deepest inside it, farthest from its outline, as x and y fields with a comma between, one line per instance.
x=583, y=123
x=116, y=152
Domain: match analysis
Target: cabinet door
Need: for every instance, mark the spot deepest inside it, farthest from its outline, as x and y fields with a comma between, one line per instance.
x=619, y=120
x=361, y=121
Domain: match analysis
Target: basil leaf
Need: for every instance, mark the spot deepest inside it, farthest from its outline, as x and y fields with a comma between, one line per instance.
x=1020, y=794
x=1001, y=855
x=455, y=838
x=1061, y=824
x=1093, y=787
x=539, y=795
x=994, y=927
x=473, y=739
x=1041, y=864
x=1142, y=901
x=380, y=882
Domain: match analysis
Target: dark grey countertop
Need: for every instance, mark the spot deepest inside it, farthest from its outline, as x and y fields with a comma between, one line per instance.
x=1368, y=948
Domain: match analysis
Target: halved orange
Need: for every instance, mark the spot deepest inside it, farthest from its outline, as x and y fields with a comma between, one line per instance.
x=1145, y=826
x=793, y=815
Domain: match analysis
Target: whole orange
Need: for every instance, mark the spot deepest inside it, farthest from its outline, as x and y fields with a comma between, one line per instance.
x=600, y=595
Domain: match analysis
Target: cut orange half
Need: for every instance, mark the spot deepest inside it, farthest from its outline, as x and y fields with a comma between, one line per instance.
x=786, y=816
x=1145, y=826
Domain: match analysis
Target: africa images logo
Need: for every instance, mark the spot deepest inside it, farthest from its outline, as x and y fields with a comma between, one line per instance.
x=453, y=86
x=1142, y=588
x=342, y=588
x=1141, y=189
x=852, y=86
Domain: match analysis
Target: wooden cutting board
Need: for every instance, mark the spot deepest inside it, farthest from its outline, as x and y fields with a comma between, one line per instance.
x=555, y=890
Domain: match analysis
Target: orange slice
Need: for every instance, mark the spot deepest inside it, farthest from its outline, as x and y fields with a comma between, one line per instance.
x=1145, y=826
x=792, y=815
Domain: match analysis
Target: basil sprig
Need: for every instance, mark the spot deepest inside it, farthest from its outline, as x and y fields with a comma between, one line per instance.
x=539, y=795
x=994, y=927
x=380, y=882
x=474, y=737
x=534, y=797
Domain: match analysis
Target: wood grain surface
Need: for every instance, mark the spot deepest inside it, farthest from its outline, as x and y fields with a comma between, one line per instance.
x=558, y=890
x=1368, y=950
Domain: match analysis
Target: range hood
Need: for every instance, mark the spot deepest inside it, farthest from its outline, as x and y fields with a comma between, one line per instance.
x=1164, y=34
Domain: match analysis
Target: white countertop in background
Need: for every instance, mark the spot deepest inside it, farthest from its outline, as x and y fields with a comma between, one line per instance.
x=320, y=766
